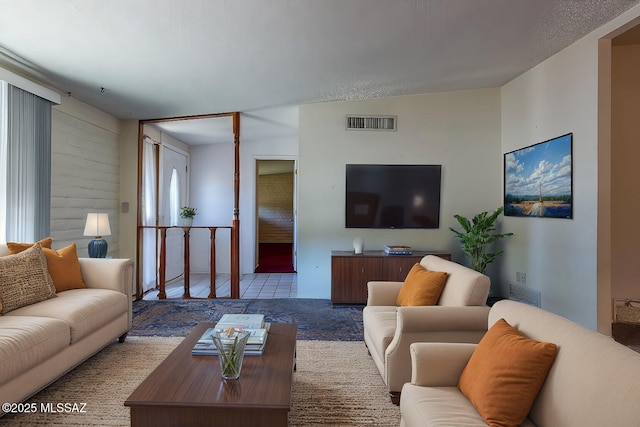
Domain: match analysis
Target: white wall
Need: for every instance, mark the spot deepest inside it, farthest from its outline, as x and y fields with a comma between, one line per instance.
x=212, y=195
x=85, y=173
x=459, y=130
x=559, y=256
x=129, y=188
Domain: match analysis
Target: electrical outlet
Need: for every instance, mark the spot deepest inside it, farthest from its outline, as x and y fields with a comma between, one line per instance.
x=523, y=278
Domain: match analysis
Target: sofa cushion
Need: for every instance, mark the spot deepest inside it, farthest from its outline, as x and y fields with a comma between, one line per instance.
x=505, y=374
x=464, y=285
x=380, y=324
x=27, y=341
x=437, y=407
x=421, y=287
x=83, y=310
x=63, y=265
x=24, y=279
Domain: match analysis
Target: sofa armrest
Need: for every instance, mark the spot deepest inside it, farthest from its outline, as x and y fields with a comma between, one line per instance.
x=108, y=273
x=439, y=364
x=383, y=293
x=442, y=318
x=436, y=324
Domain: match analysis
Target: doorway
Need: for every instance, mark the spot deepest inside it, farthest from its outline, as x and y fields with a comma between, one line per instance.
x=276, y=219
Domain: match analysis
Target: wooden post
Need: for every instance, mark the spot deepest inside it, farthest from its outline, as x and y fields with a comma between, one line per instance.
x=235, y=225
x=162, y=270
x=212, y=269
x=187, y=264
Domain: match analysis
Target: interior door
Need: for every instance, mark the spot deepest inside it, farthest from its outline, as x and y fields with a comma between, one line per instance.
x=173, y=195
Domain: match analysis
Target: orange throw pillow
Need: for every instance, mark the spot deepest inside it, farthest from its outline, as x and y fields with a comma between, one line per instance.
x=64, y=268
x=421, y=287
x=505, y=374
x=15, y=247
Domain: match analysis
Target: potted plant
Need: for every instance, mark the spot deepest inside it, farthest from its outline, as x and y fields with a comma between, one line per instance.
x=186, y=215
x=477, y=234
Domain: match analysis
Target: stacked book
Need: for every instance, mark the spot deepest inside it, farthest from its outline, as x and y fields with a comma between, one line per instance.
x=398, y=250
x=254, y=323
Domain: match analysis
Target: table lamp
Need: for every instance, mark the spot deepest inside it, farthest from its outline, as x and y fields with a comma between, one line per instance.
x=97, y=225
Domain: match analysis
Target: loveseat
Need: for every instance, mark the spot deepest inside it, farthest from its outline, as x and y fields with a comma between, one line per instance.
x=593, y=381
x=40, y=342
x=460, y=315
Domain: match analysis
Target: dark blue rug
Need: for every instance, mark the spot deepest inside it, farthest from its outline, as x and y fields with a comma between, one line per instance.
x=316, y=319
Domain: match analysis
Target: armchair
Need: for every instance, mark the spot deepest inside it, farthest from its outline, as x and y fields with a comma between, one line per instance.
x=459, y=317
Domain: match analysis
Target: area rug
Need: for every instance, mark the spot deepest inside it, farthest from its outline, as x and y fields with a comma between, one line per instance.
x=336, y=384
x=317, y=319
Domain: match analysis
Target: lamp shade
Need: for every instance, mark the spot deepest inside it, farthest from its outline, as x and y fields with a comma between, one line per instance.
x=97, y=225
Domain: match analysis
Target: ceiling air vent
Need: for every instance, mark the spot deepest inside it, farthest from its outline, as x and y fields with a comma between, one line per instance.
x=359, y=122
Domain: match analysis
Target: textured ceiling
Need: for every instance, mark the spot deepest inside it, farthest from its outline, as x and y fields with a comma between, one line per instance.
x=165, y=58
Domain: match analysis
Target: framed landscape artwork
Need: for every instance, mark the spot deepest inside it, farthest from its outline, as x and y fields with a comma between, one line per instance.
x=538, y=180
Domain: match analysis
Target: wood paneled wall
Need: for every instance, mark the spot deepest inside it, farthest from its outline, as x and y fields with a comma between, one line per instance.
x=85, y=176
x=275, y=208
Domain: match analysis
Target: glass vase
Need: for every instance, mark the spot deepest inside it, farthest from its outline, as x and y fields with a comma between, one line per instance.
x=230, y=345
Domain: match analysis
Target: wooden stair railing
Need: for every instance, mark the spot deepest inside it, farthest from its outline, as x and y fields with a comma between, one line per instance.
x=162, y=268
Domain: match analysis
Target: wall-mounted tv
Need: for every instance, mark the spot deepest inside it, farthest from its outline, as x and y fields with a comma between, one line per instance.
x=392, y=196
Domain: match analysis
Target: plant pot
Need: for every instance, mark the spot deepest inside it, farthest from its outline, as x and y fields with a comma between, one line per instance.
x=186, y=222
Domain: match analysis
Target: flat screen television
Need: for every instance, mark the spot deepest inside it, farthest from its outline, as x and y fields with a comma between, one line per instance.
x=392, y=196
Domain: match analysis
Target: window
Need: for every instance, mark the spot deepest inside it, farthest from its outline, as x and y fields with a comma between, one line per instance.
x=25, y=165
x=3, y=160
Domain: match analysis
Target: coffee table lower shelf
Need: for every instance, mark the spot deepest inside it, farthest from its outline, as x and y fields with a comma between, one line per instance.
x=188, y=390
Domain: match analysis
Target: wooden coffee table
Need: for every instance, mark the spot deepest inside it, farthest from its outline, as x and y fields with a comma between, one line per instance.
x=187, y=390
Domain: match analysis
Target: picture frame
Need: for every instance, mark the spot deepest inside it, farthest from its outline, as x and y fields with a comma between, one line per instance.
x=538, y=179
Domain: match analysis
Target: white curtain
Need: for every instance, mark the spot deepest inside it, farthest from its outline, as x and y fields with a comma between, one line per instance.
x=26, y=166
x=149, y=215
x=174, y=197
x=3, y=160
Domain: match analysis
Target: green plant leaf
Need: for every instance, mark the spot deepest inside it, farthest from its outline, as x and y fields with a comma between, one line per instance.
x=477, y=235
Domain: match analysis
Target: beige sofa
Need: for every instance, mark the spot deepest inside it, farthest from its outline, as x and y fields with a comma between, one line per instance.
x=594, y=381
x=389, y=330
x=41, y=342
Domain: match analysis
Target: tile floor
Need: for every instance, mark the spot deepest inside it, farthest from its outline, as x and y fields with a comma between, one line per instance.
x=252, y=286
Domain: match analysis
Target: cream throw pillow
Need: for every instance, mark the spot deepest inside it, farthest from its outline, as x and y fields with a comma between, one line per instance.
x=63, y=264
x=24, y=279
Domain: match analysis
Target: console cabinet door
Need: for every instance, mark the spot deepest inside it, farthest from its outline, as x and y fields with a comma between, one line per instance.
x=397, y=268
x=349, y=278
x=350, y=273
